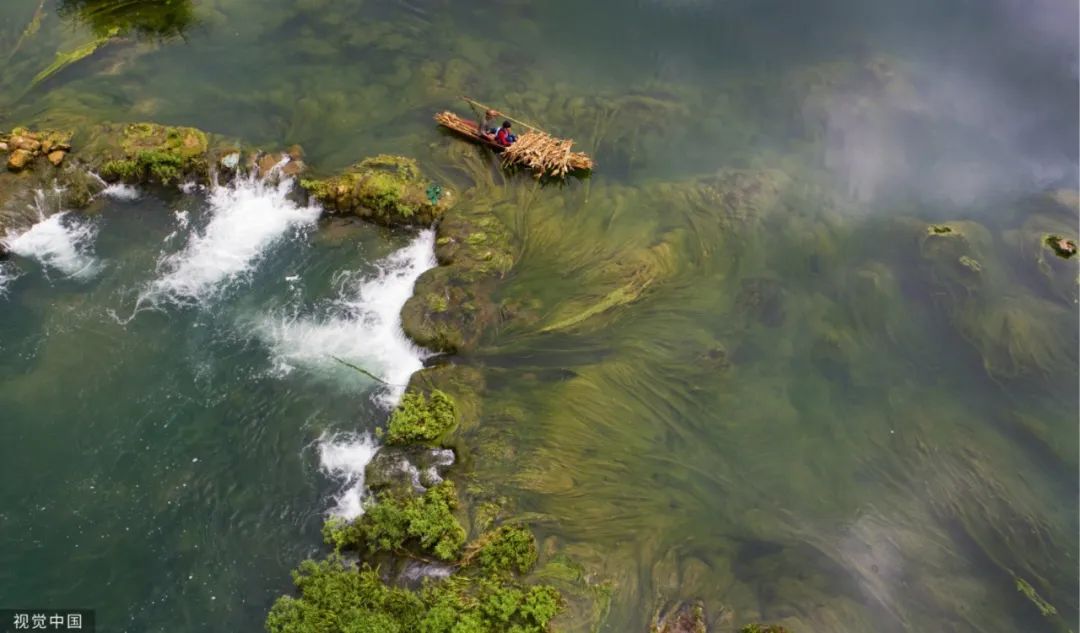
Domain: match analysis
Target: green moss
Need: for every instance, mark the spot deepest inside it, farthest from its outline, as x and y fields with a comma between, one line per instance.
x=763, y=628
x=384, y=188
x=505, y=549
x=938, y=229
x=421, y=419
x=148, y=152
x=437, y=302
x=398, y=522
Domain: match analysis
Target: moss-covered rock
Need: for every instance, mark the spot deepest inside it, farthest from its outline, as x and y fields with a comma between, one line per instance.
x=452, y=303
x=138, y=153
x=385, y=189
x=681, y=618
x=1062, y=247
x=763, y=628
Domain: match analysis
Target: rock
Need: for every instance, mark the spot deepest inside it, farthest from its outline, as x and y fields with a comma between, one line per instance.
x=19, y=160
x=295, y=152
x=409, y=468
x=1062, y=247
x=25, y=142
x=56, y=157
x=230, y=161
x=384, y=189
x=3, y=147
x=46, y=146
x=681, y=618
x=266, y=164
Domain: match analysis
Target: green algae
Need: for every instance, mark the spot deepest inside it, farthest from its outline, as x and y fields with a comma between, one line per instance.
x=420, y=418
x=1029, y=592
x=65, y=59
x=452, y=305
x=149, y=18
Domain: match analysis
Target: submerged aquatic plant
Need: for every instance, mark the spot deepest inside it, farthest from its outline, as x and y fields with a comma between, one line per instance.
x=65, y=59
x=151, y=18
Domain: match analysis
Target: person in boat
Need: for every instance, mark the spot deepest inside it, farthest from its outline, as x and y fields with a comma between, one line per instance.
x=504, y=136
x=487, y=124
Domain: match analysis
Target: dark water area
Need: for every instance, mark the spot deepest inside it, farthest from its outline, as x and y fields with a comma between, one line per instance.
x=742, y=368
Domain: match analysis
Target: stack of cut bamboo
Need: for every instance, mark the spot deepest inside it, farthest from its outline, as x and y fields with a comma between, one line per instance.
x=546, y=155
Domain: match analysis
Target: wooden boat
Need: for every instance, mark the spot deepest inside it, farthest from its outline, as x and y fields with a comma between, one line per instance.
x=467, y=128
x=535, y=149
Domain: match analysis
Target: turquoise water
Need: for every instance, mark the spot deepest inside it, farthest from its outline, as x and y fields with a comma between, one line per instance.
x=810, y=410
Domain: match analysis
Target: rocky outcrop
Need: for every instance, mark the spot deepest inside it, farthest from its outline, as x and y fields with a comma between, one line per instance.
x=25, y=147
x=383, y=189
x=681, y=618
x=451, y=305
x=140, y=153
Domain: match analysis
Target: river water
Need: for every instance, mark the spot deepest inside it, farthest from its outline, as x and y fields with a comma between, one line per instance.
x=769, y=387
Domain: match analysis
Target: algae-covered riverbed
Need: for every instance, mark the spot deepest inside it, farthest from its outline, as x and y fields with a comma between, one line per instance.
x=798, y=349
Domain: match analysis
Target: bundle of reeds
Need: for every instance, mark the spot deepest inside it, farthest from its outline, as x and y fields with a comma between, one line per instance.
x=546, y=155
x=456, y=123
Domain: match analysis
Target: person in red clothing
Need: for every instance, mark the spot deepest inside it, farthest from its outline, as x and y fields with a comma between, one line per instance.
x=503, y=136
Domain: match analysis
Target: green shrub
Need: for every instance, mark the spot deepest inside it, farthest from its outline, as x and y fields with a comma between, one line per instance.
x=335, y=598
x=397, y=523
x=420, y=419
x=505, y=549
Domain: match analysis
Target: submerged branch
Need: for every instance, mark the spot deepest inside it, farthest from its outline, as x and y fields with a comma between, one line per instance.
x=364, y=371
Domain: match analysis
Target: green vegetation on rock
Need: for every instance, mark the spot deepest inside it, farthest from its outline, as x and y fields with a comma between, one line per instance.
x=402, y=523
x=504, y=550
x=335, y=598
x=148, y=152
x=421, y=419
x=385, y=189
x=481, y=596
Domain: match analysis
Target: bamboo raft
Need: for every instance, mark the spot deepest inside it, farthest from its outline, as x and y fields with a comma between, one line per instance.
x=535, y=149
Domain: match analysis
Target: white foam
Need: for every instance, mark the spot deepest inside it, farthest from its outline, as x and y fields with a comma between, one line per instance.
x=8, y=273
x=344, y=458
x=58, y=241
x=363, y=326
x=248, y=216
x=120, y=191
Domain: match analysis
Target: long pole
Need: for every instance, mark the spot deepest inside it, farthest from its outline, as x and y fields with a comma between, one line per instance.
x=508, y=117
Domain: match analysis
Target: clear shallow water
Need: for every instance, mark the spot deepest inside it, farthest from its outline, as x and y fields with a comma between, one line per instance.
x=811, y=413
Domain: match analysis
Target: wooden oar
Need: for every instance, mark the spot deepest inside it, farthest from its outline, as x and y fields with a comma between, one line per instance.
x=506, y=116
